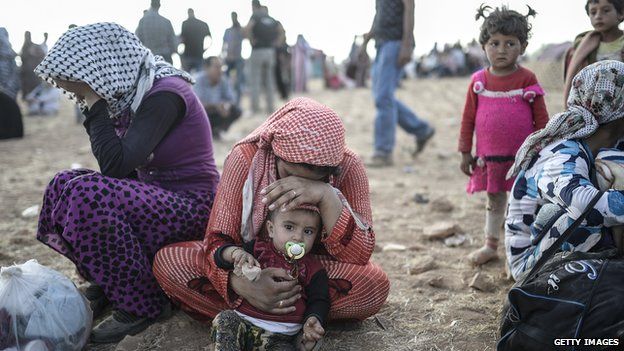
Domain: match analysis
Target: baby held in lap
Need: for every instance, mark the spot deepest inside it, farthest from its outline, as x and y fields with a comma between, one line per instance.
x=289, y=238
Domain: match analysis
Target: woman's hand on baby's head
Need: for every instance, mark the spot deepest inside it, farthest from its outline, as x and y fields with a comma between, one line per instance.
x=292, y=191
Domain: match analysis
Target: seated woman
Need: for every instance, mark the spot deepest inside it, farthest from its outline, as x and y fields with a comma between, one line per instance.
x=152, y=140
x=554, y=170
x=297, y=156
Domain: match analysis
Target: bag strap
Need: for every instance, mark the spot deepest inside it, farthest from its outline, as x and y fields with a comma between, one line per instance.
x=565, y=236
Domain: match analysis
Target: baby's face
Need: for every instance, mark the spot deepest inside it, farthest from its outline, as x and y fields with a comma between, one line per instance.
x=298, y=226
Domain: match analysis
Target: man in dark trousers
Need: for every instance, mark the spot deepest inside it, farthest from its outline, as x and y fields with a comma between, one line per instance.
x=193, y=33
x=264, y=33
x=393, y=31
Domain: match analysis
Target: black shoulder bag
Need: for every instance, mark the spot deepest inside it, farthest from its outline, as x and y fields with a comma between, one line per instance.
x=578, y=295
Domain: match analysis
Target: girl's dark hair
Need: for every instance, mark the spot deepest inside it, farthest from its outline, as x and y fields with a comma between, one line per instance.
x=504, y=21
x=618, y=4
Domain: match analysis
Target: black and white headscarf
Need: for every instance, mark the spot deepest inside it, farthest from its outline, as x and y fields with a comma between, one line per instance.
x=111, y=60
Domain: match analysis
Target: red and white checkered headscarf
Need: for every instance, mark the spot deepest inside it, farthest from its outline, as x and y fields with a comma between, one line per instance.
x=302, y=131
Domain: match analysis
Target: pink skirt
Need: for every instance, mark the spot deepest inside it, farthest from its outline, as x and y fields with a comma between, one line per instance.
x=490, y=178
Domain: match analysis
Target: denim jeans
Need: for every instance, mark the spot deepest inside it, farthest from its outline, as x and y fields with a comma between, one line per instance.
x=390, y=111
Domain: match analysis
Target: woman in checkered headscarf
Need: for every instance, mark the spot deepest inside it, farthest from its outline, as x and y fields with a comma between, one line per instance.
x=297, y=156
x=152, y=140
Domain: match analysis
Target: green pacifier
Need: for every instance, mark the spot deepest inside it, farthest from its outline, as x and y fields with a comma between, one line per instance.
x=295, y=250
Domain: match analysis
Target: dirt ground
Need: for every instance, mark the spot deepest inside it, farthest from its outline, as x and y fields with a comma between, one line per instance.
x=434, y=310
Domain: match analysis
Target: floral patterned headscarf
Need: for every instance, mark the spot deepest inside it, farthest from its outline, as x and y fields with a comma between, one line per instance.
x=597, y=97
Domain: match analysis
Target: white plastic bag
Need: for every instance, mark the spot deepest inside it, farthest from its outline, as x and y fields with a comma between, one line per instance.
x=41, y=309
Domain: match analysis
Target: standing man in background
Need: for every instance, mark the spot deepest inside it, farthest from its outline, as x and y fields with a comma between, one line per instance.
x=263, y=32
x=156, y=33
x=231, y=51
x=393, y=31
x=192, y=36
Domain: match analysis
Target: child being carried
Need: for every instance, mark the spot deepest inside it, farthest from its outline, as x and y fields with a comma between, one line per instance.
x=610, y=175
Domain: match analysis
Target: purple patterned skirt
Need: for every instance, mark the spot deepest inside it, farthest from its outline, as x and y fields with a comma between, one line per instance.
x=112, y=228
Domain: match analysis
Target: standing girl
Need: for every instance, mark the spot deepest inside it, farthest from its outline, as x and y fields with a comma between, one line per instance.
x=504, y=105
